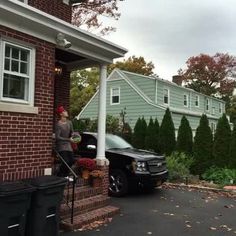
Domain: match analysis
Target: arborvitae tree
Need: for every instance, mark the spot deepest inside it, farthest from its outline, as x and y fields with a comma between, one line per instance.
x=127, y=133
x=185, y=137
x=202, y=148
x=222, y=142
x=167, y=134
x=137, y=139
x=232, y=150
x=156, y=137
x=143, y=132
x=150, y=136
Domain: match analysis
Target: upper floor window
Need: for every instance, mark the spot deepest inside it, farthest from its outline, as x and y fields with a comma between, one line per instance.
x=185, y=100
x=213, y=111
x=17, y=73
x=115, y=96
x=207, y=104
x=220, y=108
x=25, y=1
x=166, y=96
x=196, y=101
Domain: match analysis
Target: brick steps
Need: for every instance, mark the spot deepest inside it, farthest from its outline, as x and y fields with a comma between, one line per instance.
x=83, y=192
x=84, y=205
x=89, y=217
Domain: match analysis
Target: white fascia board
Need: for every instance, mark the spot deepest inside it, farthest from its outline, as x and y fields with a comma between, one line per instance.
x=29, y=20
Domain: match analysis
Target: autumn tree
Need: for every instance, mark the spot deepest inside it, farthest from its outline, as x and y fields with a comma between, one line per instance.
x=211, y=75
x=167, y=134
x=222, y=142
x=134, y=64
x=89, y=15
x=83, y=86
x=185, y=137
x=202, y=148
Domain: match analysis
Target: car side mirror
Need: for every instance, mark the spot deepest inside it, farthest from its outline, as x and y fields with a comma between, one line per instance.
x=91, y=147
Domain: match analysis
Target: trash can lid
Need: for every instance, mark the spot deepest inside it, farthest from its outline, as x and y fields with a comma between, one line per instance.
x=47, y=181
x=11, y=188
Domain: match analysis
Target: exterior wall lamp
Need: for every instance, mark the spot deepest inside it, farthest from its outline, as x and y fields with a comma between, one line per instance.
x=62, y=41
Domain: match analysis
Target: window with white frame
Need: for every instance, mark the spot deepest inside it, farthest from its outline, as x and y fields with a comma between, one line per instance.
x=196, y=101
x=186, y=100
x=207, y=104
x=220, y=108
x=115, y=96
x=213, y=111
x=16, y=75
x=166, y=96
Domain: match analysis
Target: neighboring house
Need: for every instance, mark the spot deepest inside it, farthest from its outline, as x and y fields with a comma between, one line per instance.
x=39, y=47
x=147, y=96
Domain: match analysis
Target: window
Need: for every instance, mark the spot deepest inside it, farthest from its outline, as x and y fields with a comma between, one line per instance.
x=220, y=108
x=207, y=104
x=25, y=1
x=213, y=128
x=196, y=101
x=166, y=96
x=185, y=100
x=115, y=96
x=213, y=111
x=16, y=77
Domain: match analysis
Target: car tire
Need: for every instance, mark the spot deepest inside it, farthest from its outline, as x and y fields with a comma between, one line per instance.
x=118, y=183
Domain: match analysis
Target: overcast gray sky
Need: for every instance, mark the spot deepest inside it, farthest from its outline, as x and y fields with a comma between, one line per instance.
x=168, y=32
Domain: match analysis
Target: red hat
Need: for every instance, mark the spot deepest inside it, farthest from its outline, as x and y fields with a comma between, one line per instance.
x=60, y=109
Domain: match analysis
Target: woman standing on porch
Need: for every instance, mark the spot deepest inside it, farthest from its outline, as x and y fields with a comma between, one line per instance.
x=64, y=131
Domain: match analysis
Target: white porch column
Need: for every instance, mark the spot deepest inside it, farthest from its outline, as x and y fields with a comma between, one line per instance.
x=101, y=159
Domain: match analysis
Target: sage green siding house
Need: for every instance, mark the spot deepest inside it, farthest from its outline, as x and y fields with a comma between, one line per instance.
x=148, y=96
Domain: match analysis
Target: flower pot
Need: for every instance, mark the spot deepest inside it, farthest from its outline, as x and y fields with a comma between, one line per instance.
x=85, y=174
x=96, y=182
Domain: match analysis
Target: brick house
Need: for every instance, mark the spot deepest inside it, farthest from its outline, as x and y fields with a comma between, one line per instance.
x=34, y=36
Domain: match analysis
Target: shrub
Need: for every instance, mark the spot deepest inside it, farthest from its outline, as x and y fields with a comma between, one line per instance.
x=87, y=164
x=127, y=133
x=202, y=148
x=139, y=133
x=167, y=134
x=232, y=150
x=150, y=136
x=156, y=137
x=222, y=142
x=178, y=165
x=185, y=137
x=222, y=176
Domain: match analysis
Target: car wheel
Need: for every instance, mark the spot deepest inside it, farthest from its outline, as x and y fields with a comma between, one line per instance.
x=118, y=186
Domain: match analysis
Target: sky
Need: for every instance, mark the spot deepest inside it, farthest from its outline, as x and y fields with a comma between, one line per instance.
x=168, y=32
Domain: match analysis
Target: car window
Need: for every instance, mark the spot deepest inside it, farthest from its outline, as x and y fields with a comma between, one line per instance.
x=114, y=141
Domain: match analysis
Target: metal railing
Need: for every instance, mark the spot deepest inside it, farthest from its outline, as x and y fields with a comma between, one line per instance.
x=75, y=177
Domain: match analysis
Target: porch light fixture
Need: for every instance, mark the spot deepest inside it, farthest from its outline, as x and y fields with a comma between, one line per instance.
x=62, y=41
x=58, y=70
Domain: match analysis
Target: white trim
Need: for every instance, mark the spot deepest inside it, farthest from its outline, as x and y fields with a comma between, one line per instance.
x=30, y=76
x=111, y=95
x=19, y=108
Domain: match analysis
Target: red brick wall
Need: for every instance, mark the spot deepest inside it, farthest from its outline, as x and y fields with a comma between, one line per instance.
x=26, y=140
x=53, y=7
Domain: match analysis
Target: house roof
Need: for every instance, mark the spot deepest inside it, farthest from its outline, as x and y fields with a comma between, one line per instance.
x=125, y=76
x=29, y=20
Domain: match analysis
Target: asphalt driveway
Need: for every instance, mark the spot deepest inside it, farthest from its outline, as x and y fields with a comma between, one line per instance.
x=170, y=212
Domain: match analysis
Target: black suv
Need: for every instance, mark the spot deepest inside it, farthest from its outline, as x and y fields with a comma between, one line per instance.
x=129, y=167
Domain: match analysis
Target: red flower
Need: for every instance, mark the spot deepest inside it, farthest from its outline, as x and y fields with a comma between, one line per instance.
x=87, y=163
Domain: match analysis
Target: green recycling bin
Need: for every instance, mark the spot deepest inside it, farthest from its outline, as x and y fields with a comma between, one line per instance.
x=43, y=217
x=14, y=203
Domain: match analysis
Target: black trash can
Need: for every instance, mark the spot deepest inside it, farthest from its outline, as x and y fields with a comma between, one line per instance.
x=14, y=203
x=43, y=217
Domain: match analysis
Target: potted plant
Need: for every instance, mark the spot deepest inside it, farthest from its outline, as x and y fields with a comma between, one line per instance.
x=86, y=165
x=97, y=176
